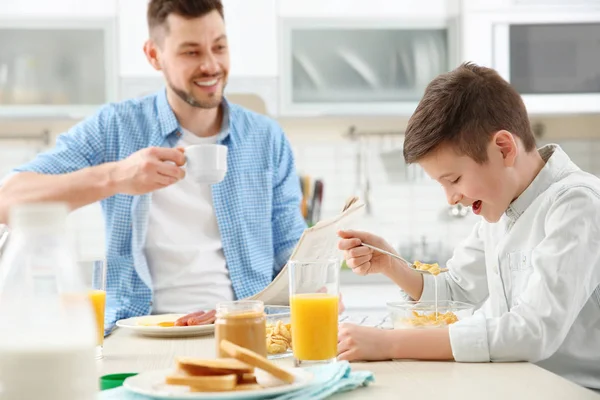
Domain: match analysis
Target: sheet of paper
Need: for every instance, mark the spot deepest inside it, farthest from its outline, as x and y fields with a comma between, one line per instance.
x=316, y=243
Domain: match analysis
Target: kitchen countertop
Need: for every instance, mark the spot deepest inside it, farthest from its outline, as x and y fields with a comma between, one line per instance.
x=126, y=352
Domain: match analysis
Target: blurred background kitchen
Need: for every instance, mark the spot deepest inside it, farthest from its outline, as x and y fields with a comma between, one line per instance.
x=341, y=76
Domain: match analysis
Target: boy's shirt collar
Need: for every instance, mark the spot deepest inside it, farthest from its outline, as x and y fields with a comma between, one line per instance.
x=557, y=164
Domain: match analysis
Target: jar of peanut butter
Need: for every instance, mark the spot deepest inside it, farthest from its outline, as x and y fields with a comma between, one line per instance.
x=242, y=322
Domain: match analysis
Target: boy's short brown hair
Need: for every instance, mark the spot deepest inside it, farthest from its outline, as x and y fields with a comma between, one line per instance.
x=464, y=108
x=159, y=10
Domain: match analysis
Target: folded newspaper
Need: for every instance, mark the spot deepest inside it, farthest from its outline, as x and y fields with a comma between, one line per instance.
x=316, y=243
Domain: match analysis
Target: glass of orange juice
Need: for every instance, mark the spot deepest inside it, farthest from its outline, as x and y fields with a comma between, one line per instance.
x=97, y=295
x=314, y=305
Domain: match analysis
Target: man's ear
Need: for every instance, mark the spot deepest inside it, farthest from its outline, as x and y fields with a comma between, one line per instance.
x=507, y=145
x=152, y=54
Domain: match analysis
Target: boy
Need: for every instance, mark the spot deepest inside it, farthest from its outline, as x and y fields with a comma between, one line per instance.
x=532, y=264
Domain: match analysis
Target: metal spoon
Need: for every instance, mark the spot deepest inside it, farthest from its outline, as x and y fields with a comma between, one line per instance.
x=410, y=265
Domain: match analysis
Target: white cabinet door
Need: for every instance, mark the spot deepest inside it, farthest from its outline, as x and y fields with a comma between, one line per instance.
x=549, y=57
x=252, y=36
x=367, y=9
x=57, y=8
x=525, y=5
x=133, y=33
x=344, y=66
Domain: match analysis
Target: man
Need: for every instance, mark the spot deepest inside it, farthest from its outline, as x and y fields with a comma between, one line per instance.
x=174, y=245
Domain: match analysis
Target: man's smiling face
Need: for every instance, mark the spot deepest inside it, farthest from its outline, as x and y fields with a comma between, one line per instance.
x=194, y=58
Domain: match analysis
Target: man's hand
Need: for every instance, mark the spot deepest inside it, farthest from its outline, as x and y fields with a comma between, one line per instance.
x=148, y=170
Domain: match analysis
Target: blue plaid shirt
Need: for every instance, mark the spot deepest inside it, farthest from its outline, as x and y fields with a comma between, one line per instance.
x=257, y=205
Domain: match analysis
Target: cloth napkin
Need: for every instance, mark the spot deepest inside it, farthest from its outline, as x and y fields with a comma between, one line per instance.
x=329, y=379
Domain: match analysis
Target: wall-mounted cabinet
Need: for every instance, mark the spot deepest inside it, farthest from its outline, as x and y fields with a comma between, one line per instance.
x=336, y=67
x=550, y=57
x=57, y=9
x=56, y=68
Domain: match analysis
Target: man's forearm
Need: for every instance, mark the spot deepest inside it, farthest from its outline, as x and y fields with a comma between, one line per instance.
x=421, y=344
x=78, y=188
x=410, y=281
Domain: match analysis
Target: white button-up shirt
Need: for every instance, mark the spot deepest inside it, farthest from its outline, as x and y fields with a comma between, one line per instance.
x=536, y=275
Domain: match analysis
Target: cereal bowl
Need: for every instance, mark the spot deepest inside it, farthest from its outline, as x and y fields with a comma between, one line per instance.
x=279, y=331
x=422, y=314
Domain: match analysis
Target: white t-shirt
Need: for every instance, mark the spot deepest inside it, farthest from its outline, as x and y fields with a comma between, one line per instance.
x=183, y=246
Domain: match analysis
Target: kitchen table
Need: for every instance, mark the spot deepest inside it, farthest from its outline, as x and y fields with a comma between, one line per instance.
x=127, y=352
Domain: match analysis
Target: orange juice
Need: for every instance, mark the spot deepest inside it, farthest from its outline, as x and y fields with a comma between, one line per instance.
x=314, y=326
x=98, y=299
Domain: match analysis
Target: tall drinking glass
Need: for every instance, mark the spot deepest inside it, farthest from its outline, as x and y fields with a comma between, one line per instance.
x=314, y=303
x=94, y=273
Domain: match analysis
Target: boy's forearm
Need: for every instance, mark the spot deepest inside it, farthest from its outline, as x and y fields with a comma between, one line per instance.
x=78, y=188
x=421, y=344
x=410, y=281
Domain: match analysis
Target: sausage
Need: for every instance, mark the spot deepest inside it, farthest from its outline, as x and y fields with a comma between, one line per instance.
x=183, y=321
x=205, y=319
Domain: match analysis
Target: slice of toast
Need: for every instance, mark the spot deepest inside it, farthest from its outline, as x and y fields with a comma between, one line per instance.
x=221, y=366
x=242, y=387
x=256, y=360
x=209, y=383
x=246, y=379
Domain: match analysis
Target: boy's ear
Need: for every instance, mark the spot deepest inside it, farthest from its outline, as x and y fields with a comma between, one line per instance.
x=506, y=143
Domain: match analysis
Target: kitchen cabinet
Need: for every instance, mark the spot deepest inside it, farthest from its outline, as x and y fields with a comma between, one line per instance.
x=56, y=67
x=366, y=9
x=550, y=57
x=366, y=66
x=252, y=36
x=59, y=9
x=133, y=33
x=524, y=5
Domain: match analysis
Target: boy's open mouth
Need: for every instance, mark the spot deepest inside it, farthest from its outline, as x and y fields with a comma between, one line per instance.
x=477, y=207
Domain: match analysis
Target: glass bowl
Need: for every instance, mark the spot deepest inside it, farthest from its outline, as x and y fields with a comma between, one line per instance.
x=279, y=334
x=422, y=314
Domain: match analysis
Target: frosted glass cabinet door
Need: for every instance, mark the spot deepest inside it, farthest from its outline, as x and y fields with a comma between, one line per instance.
x=364, y=65
x=555, y=58
x=54, y=66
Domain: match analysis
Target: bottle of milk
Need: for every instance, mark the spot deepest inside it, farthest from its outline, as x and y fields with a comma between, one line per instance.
x=47, y=330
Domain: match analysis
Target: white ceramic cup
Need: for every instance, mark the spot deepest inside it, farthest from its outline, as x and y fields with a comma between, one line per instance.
x=206, y=163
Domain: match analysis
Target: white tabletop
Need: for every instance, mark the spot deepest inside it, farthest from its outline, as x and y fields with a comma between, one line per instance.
x=126, y=352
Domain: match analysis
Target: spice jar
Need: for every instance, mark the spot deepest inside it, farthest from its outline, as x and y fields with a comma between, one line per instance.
x=241, y=322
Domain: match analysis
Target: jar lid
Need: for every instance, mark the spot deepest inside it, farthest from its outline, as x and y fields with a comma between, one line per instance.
x=240, y=307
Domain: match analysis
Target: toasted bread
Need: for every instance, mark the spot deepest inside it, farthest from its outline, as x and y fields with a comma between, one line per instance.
x=255, y=360
x=248, y=386
x=203, y=383
x=246, y=378
x=220, y=366
x=244, y=387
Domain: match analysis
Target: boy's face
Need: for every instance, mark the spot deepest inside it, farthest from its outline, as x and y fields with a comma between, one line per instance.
x=489, y=188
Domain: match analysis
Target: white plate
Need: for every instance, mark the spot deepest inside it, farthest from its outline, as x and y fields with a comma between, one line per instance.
x=152, y=383
x=144, y=326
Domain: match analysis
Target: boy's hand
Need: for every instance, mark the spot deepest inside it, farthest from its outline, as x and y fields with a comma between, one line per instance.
x=361, y=259
x=362, y=343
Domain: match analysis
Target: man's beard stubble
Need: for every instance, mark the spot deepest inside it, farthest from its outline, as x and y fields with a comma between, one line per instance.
x=214, y=100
